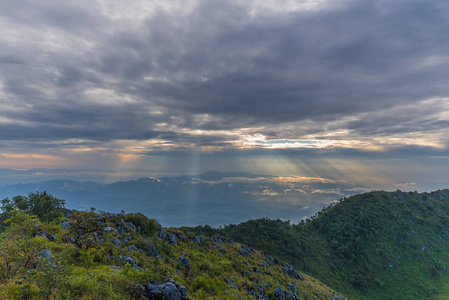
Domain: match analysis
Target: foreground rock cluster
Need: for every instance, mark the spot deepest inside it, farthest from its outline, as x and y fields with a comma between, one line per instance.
x=122, y=234
x=128, y=256
x=169, y=290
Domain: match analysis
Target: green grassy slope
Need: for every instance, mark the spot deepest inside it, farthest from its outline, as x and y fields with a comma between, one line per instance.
x=378, y=245
x=106, y=256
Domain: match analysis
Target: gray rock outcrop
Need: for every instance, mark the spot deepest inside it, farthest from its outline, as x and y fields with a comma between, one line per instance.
x=46, y=254
x=184, y=262
x=65, y=225
x=289, y=270
x=169, y=290
x=130, y=260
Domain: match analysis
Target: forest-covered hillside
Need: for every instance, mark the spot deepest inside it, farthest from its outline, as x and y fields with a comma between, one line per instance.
x=377, y=245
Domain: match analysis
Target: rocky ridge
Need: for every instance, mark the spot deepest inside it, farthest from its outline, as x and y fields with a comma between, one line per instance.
x=136, y=242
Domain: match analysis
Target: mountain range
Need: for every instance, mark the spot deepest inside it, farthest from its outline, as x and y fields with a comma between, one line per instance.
x=213, y=198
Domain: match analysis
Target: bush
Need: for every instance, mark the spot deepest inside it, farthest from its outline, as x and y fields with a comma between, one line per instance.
x=147, y=226
x=206, y=284
x=84, y=226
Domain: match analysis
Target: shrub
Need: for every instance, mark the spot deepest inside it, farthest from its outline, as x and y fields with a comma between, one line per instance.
x=84, y=226
x=147, y=226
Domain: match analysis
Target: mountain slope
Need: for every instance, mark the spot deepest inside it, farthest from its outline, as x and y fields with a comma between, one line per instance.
x=378, y=245
x=128, y=256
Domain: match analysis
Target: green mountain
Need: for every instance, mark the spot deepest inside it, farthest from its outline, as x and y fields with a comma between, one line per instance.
x=377, y=245
x=48, y=252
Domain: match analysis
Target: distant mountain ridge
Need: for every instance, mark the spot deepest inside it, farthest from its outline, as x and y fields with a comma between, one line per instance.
x=213, y=198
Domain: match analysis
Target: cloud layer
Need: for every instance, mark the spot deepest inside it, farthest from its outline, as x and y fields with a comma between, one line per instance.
x=84, y=81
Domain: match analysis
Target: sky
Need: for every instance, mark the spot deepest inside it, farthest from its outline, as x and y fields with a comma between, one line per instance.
x=347, y=90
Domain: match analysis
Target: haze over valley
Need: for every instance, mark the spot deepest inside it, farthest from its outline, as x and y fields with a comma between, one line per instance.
x=212, y=198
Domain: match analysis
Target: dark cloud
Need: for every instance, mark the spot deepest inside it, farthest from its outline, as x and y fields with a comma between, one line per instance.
x=67, y=69
x=320, y=66
x=50, y=14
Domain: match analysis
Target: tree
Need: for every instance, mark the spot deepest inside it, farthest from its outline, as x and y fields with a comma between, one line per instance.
x=84, y=228
x=44, y=206
x=19, y=246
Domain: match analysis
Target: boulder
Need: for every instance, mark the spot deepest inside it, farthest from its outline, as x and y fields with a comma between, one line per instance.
x=173, y=239
x=116, y=242
x=170, y=290
x=243, y=251
x=65, y=225
x=43, y=233
x=132, y=248
x=51, y=237
x=261, y=292
x=251, y=292
x=46, y=254
x=130, y=260
x=184, y=262
x=180, y=236
x=231, y=283
x=279, y=292
x=109, y=228
x=260, y=289
x=152, y=250
x=198, y=239
x=289, y=270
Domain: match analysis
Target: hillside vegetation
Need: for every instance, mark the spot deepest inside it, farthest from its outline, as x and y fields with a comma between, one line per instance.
x=377, y=245
x=48, y=252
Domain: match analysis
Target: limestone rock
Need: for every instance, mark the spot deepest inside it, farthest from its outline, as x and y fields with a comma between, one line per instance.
x=46, y=254
x=184, y=262
x=170, y=290
x=65, y=225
